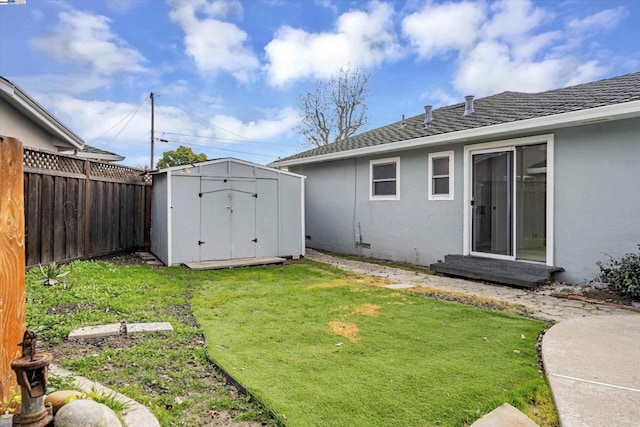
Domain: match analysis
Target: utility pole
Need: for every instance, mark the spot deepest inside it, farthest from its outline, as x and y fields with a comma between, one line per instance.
x=152, y=96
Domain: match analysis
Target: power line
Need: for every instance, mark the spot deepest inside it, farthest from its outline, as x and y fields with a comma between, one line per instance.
x=130, y=116
x=221, y=128
x=225, y=139
x=221, y=149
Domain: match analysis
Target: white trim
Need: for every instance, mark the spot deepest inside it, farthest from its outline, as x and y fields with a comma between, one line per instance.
x=169, y=223
x=539, y=124
x=387, y=160
x=440, y=155
x=302, y=214
x=551, y=158
x=502, y=146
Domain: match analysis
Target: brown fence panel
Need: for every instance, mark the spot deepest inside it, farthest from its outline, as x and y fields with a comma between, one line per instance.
x=77, y=209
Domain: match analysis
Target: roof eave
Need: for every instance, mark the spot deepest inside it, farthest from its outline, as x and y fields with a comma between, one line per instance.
x=37, y=113
x=573, y=118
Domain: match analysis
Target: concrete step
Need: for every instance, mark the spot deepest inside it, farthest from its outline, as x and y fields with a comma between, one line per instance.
x=512, y=273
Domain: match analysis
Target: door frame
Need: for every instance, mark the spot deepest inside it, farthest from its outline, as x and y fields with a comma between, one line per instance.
x=505, y=145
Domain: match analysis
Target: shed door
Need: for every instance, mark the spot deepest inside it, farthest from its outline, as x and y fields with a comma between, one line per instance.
x=227, y=219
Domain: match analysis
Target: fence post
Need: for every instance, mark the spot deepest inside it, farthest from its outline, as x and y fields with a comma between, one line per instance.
x=87, y=214
x=12, y=260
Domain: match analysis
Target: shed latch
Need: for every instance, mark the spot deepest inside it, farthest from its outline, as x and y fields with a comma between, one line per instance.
x=199, y=194
x=255, y=195
x=255, y=240
x=200, y=242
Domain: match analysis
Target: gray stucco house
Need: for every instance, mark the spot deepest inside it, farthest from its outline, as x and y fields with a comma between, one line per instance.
x=548, y=179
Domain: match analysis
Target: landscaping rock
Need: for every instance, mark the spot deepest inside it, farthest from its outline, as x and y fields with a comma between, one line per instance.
x=86, y=413
x=59, y=398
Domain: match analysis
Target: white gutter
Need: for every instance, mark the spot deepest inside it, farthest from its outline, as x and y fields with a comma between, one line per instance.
x=19, y=99
x=610, y=112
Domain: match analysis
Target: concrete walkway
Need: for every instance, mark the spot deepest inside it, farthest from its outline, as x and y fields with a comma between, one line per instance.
x=590, y=356
x=541, y=303
x=592, y=366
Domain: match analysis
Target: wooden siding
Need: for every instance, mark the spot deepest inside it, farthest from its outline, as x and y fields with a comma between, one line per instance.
x=77, y=209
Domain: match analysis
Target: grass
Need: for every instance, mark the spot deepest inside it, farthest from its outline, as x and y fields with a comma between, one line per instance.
x=315, y=345
x=321, y=347
x=169, y=374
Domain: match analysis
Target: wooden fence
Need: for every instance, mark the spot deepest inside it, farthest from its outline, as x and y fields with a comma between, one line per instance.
x=78, y=208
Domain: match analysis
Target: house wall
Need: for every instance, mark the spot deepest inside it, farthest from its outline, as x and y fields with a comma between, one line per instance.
x=14, y=123
x=412, y=229
x=291, y=227
x=596, y=203
x=597, y=196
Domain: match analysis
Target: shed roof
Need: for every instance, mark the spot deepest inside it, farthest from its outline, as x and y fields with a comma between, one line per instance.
x=518, y=110
x=222, y=160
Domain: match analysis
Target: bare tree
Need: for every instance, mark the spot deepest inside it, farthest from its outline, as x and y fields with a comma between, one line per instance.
x=336, y=109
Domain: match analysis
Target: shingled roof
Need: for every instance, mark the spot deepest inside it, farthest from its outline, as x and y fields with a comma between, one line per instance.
x=497, y=109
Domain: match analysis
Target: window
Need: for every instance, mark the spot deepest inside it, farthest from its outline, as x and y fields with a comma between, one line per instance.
x=441, y=176
x=385, y=179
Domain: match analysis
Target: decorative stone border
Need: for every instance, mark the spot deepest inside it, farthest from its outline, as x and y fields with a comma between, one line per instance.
x=136, y=414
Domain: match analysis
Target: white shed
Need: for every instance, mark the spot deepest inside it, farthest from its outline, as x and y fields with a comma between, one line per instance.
x=226, y=209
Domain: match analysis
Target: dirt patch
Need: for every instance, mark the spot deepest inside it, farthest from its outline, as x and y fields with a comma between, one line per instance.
x=163, y=381
x=332, y=285
x=70, y=308
x=475, y=300
x=605, y=295
x=343, y=329
x=369, y=310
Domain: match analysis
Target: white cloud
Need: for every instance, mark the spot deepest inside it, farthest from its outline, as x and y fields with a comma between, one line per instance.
x=437, y=29
x=91, y=119
x=360, y=38
x=215, y=45
x=278, y=123
x=490, y=68
x=112, y=126
x=587, y=72
x=508, y=45
x=438, y=98
x=605, y=20
x=512, y=19
x=83, y=38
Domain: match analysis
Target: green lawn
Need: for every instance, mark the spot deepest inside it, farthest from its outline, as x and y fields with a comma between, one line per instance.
x=170, y=374
x=319, y=346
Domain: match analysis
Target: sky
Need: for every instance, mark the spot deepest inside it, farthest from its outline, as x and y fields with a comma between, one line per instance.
x=227, y=74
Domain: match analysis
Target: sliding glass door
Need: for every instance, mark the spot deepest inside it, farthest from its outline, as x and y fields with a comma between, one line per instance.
x=508, y=202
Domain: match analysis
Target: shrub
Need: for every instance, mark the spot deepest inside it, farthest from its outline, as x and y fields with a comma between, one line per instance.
x=53, y=275
x=622, y=274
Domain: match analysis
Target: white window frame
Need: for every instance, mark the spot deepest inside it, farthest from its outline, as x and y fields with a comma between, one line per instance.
x=440, y=155
x=372, y=163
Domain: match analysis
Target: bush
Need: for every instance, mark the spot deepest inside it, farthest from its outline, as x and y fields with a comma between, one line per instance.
x=623, y=274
